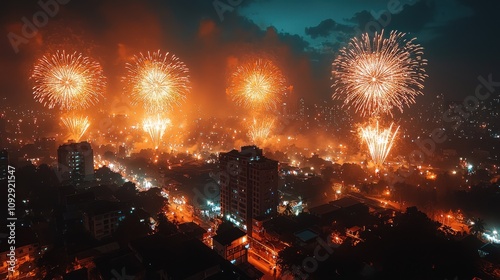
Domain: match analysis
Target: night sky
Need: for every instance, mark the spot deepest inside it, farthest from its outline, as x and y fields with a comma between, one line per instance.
x=461, y=39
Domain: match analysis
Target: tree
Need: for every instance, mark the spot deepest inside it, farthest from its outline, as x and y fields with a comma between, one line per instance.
x=134, y=226
x=165, y=227
x=290, y=260
x=127, y=192
x=151, y=201
x=476, y=227
x=54, y=262
x=352, y=173
x=328, y=174
x=105, y=175
x=109, y=155
x=288, y=210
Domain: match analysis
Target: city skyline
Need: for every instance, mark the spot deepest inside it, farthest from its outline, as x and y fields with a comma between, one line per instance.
x=250, y=139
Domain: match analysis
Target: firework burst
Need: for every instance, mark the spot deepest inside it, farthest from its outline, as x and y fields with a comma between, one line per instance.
x=155, y=127
x=158, y=81
x=257, y=84
x=260, y=129
x=76, y=125
x=379, y=141
x=374, y=75
x=68, y=81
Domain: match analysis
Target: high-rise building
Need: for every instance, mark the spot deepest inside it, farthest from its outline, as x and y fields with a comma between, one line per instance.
x=76, y=162
x=249, y=186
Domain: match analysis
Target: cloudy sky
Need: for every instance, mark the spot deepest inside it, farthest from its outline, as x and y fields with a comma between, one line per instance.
x=460, y=37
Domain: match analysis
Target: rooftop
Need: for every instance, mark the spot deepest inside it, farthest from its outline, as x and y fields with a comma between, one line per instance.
x=345, y=202
x=324, y=209
x=191, y=229
x=228, y=236
x=306, y=235
x=100, y=207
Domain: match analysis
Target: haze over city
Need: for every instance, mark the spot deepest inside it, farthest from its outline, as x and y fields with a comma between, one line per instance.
x=250, y=139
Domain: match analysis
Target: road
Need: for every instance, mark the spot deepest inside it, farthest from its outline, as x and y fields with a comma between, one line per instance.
x=262, y=266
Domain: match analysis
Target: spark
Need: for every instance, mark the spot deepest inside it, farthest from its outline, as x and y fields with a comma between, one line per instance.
x=257, y=84
x=260, y=129
x=375, y=75
x=68, y=81
x=76, y=125
x=155, y=127
x=379, y=141
x=158, y=81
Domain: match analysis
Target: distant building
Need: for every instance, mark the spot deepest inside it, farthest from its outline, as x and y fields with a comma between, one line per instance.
x=45, y=146
x=347, y=210
x=101, y=218
x=249, y=186
x=3, y=133
x=232, y=244
x=4, y=165
x=76, y=162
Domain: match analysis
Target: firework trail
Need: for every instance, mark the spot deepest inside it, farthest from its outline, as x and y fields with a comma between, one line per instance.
x=379, y=141
x=156, y=127
x=260, y=130
x=76, y=125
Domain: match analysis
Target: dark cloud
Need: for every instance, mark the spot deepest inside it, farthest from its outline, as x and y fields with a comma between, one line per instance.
x=414, y=18
x=463, y=49
x=361, y=18
x=325, y=28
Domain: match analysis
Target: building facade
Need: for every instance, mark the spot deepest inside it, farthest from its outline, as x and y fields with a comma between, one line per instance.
x=101, y=218
x=76, y=162
x=249, y=186
x=232, y=245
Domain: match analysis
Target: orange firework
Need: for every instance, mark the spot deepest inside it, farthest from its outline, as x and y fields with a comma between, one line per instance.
x=260, y=129
x=158, y=81
x=68, y=81
x=373, y=75
x=379, y=141
x=257, y=84
x=76, y=125
x=155, y=127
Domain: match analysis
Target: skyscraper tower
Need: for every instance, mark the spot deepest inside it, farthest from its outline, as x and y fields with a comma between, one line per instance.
x=76, y=162
x=249, y=186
